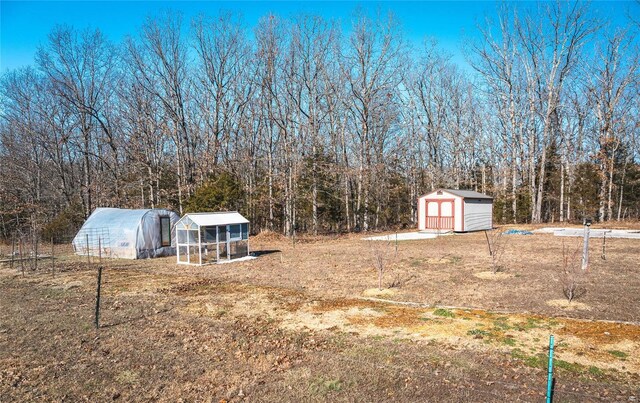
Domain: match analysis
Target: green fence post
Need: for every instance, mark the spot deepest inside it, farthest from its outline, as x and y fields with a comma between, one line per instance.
x=550, y=371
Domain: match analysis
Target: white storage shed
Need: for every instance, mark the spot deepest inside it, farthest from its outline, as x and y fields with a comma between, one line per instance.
x=127, y=234
x=210, y=237
x=455, y=210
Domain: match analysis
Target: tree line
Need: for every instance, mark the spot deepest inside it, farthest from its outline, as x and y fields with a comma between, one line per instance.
x=304, y=127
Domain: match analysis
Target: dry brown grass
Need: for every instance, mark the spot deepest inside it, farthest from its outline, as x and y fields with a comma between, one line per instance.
x=290, y=326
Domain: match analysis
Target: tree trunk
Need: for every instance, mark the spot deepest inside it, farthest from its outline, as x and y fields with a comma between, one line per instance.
x=314, y=190
x=562, y=191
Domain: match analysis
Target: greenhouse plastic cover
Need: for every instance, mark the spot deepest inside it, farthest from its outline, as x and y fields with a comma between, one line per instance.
x=124, y=233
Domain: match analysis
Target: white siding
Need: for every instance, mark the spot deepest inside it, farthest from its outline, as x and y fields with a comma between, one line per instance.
x=478, y=214
x=421, y=213
x=458, y=219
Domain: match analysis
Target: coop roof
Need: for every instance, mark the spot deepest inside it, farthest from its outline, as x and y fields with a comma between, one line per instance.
x=465, y=194
x=217, y=218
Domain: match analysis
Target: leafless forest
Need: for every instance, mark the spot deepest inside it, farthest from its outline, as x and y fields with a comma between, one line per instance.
x=304, y=125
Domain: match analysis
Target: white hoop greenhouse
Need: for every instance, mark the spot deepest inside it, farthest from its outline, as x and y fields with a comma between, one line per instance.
x=127, y=234
x=211, y=237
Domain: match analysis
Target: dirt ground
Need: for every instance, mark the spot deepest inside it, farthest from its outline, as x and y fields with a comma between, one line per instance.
x=305, y=322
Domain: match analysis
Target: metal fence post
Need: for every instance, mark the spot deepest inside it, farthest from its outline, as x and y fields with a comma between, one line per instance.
x=585, y=244
x=53, y=262
x=87, y=240
x=550, y=372
x=97, y=317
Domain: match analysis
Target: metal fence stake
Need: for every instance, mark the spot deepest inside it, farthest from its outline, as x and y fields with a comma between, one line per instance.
x=87, y=242
x=97, y=316
x=585, y=244
x=550, y=372
x=53, y=262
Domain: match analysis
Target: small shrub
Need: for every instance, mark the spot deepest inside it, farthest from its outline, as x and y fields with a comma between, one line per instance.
x=221, y=192
x=571, y=274
x=64, y=225
x=497, y=245
x=381, y=251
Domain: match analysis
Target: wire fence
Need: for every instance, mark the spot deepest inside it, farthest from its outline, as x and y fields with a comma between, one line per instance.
x=93, y=242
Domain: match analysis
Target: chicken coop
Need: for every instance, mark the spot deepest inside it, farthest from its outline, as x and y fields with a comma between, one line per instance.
x=206, y=238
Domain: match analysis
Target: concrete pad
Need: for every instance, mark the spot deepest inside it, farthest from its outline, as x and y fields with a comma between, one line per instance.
x=240, y=259
x=405, y=236
x=593, y=233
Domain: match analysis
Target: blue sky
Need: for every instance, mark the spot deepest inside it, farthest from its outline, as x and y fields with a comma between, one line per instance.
x=24, y=25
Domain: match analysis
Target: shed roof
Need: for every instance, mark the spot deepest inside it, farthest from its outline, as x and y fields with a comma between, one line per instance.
x=218, y=218
x=465, y=194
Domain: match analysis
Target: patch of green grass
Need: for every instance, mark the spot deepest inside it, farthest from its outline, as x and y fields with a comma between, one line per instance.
x=444, y=313
x=509, y=341
x=595, y=371
x=618, y=354
x=501, y=323
x=535, y=361
x=541, y=361
x=572, y=367
x=323, y=387
x=531, y=323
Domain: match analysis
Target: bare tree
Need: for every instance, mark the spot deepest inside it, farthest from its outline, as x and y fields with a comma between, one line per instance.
x=610, y=92
x=81, y=67
x=159, y=62
x=372, y=64
x=571, y=274
x=381, y=253
x=324, y=130
x=497, y=247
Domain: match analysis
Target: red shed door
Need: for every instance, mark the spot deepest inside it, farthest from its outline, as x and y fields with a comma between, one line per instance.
x=439, y=214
